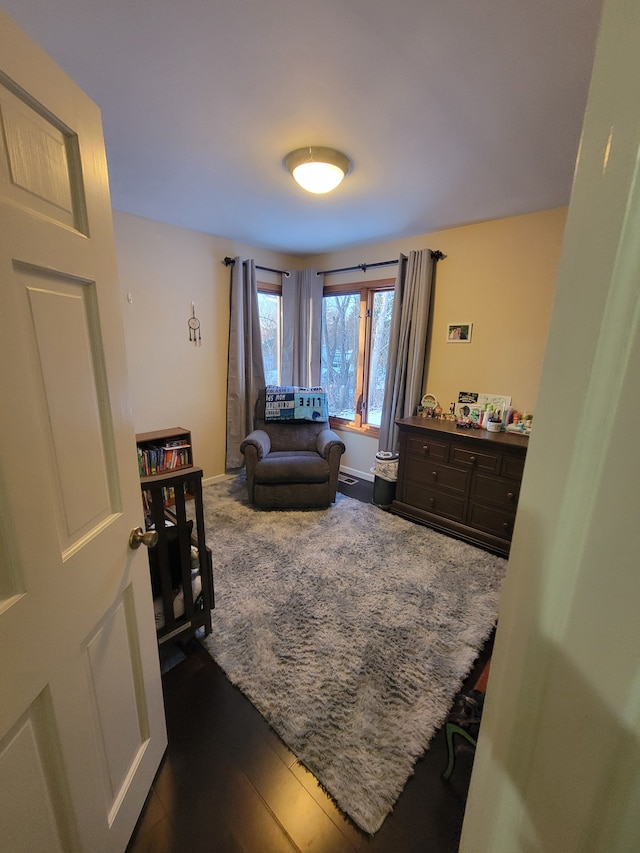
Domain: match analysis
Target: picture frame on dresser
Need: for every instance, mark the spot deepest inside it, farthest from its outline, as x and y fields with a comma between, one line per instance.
x=469, y=410
x=497, y=402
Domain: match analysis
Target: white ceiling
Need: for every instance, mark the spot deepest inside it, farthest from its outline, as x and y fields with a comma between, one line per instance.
x=453, y=111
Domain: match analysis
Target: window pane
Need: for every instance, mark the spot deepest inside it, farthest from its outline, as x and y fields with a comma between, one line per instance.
x=269, y=311
x=380, y=327
x=340, y=320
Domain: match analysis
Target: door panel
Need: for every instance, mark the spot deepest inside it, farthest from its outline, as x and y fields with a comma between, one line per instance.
x=39, y=160
x=30, y=775
x=81, y=718
x=71, y=401
x=121, y=723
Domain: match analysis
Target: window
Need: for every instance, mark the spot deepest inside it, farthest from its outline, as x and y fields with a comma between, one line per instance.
x=356, y=320
x=270, y=313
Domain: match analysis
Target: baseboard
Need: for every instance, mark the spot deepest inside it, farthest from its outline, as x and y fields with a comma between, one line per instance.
x=360, y=475
x=218, y=478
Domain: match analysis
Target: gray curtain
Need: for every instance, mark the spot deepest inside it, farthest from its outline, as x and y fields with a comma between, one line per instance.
x=301, y=328
x=407, y=343
x=245, y=374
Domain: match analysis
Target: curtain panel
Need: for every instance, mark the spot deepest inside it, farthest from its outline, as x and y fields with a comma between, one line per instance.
x=245, y=374
x=301, y=328
x=406, y=360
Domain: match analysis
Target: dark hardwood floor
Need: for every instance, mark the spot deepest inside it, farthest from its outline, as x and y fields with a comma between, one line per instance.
x=227, y=783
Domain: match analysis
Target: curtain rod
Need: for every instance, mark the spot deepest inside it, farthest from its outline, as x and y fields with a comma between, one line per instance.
x=229, y=262
x=437, y=255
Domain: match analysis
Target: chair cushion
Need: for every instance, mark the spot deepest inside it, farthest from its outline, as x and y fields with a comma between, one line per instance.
x=287, y=437
x=303, y=466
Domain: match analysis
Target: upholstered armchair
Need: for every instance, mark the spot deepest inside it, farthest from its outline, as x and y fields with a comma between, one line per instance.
x=291, y=464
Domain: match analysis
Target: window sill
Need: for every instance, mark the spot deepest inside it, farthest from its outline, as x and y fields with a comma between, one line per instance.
x=350, y=426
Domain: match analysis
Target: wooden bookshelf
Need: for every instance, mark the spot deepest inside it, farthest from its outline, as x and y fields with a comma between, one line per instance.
x=164, y=451
x=187, y=484
x=168, y=480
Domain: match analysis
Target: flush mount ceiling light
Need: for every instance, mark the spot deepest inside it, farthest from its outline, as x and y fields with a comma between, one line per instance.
x=316, y=169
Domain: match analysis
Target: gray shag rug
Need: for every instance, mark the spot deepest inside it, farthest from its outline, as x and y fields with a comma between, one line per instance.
x=351, y=631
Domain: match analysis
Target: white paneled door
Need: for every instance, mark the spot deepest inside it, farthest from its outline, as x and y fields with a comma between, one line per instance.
x=82, y=726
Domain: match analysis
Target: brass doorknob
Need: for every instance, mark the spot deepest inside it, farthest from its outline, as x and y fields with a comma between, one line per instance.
x=138, y=537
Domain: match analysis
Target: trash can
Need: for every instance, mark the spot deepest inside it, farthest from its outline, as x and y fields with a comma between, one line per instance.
x=385, y=473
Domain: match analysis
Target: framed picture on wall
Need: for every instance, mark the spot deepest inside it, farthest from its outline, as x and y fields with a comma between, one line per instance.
x=459, y=333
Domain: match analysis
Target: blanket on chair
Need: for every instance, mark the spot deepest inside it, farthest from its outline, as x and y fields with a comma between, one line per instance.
x=294, y=403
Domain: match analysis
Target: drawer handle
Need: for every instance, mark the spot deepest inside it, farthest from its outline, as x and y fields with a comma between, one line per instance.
x=434, y=474
x=506, y=525
x=511, y=495
x=432, y=502
x=472, y=459
x=425, y=447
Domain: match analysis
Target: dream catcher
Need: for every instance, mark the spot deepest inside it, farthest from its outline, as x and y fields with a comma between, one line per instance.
x=194, y=327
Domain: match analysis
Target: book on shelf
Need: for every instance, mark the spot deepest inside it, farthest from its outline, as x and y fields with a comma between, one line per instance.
x=161, y=458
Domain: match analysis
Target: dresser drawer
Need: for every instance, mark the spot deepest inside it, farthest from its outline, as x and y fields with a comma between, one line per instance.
x=431, y=474
x=496, y=489
x=498, y=522
x=426, y=447
x=512, y=466
x=434, y=501
x=475, y=458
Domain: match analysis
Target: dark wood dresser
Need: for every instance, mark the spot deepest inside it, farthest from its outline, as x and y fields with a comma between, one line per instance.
x=464, y=482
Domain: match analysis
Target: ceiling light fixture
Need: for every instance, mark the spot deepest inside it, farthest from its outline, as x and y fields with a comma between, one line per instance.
x=316, y=169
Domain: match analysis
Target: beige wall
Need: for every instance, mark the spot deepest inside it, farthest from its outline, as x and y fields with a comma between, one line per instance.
x=498, y=275
x=501, y=277
x=173, y=382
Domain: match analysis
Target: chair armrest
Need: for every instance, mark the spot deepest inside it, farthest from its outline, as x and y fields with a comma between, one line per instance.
x=327, y=439
x=259, y=440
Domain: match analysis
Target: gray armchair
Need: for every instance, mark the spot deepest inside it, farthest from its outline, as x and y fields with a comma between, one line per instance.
x=291, y=465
